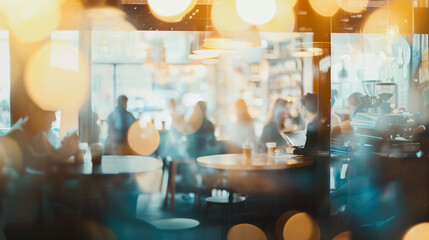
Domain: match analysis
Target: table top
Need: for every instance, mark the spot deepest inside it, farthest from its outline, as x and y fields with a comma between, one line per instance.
x=258, y=162
x=110, y=165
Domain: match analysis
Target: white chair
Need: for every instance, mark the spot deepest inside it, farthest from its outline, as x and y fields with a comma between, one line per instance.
x=245, y=231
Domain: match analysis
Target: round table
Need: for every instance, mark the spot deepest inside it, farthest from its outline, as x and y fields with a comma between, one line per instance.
x=110, y=165
x=117, y=168
x=258, y=162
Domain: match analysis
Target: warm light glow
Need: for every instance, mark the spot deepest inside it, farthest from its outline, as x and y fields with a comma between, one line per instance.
x=353, y=6
x=292, y=2
x=212, y=51
x=418, y=232
x=143, y=137
x=399, y=14
x=326, y=8
x=283, y=20
x=107, y=19
x=149, y=181
x=171, y=10
x=347, y=235
x=191, y=125
x=10, y=153
x=307, y=52
x=226, y=20
x=203, y=56
x=225, y=43
x=301, y=226
x=33, y=20
x=162, y=73
x=256, y=12
x=245, y=231
x=57, y=77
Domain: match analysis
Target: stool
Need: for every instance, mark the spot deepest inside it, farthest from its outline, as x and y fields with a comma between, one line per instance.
x=175, y=224
x=222, y=201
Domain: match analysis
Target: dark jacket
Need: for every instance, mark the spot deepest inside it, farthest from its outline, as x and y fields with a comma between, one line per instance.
x=270, y=133
x=310, y=147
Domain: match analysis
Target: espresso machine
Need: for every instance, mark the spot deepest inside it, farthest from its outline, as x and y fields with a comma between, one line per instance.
x=377, y=126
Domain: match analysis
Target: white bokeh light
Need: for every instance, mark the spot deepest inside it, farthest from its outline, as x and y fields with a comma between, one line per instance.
x=256, y=12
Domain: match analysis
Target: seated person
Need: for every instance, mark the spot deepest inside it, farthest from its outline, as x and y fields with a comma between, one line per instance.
x=201, y=141
x=308, y=111
x=275, y=124
x=31, y=135
x=243, y=128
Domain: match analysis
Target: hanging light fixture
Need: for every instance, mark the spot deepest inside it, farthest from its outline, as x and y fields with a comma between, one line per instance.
x=171, y=10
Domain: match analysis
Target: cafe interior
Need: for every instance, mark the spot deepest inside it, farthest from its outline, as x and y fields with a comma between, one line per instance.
x=214, y=119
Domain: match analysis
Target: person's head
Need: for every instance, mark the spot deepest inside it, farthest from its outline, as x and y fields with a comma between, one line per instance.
x=241, y=110
x=353, y=100
x=40, y=120
x=122, y=101
x=172, y=104
x=308, y=107
x=201, y=105
x=279, y=111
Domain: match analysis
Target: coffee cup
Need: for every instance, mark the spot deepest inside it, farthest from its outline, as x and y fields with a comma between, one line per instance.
x=247, y=151
x=96, y=153
x=271, y=146
x=79, y=157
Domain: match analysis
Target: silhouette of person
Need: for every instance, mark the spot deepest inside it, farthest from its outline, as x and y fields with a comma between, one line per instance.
x=118, y=122
x=279, y=111
x=32, y=135
x=308, y=110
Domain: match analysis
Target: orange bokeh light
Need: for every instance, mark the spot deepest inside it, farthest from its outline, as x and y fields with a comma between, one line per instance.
x=32, y=20
x=283, y=20
x=143, y=137
x=399, y=14
x=353, y=6
x=57, y=77
x=226, y=20
x=326, y=8
x=417, y=232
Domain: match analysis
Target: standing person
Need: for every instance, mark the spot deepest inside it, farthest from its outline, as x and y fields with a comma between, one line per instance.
x=275, y=124
x=243, y=127
x=118, y=122
x=308, y=110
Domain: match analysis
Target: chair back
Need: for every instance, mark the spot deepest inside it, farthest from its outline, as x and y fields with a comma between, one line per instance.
x=245, y=231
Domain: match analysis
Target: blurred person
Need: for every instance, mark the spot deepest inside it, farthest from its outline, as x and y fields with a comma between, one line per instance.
x=308, y=109
x=335, y=119
x=118, y=122
x=353, y=101
x=275, y=124
x=36, y=152
x=203, y=141
x=243, y=127
x=421, y=133
x=31, y=133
